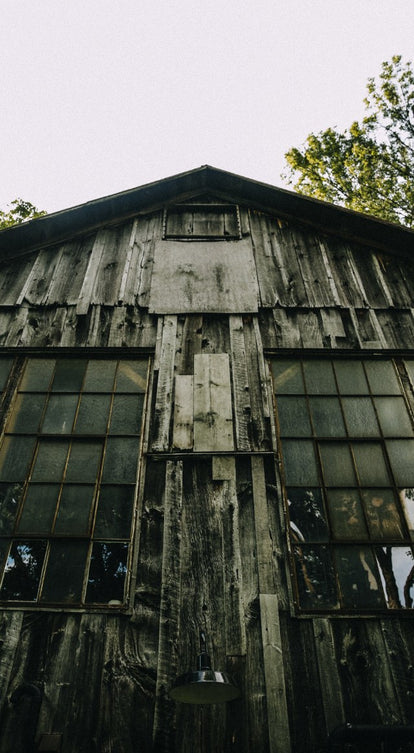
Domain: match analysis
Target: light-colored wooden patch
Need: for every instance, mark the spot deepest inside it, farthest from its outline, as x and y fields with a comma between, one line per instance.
x=328, y=671
x=183, y=413
x=277, y=713
x=213, y=422
x=91, y=273
x=200, y=276
x=163, y=403
x=223, y=468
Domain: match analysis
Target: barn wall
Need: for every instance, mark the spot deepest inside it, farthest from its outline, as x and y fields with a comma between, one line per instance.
x=212, y=550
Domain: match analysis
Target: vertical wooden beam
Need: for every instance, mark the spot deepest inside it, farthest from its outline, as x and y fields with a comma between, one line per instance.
x=91, y=272
x=183, y=413
x=277, y=713
x=242, y=406
x=163, y=402
x=163, y=728
x=328, y=671
x=213, y=420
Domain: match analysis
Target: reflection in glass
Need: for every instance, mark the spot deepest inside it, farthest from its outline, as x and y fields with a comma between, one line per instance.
x=65, y=571
x=407, y=501
x=347, y=518
x=327, y=416
x=39, y=508
x=15, y=456
x=114, y=514
x=23, y=570
x=26, y=414
x=287, y=376
x=315, y=578
x=382, y=514
x=338, y=469
x=382, y=378
x=10, y=496
x=319, y=378
x=351, y=378
x=307, y=516
x=360, y=417
x=132, y=376
x=370, y=464
x=69, y=375
x=59, y=415
x=50, y=461
x=107, y=573
x=74, y=512
x=300, y=463
x=393, y=417
x=396, y=565
x=401, y=455
x=293, y=417
x=37, y=375
x=358, y=578
x=100, y=376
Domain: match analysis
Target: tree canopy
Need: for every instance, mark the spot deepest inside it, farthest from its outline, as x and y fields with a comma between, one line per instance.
x=19, y=212
x=368, y=167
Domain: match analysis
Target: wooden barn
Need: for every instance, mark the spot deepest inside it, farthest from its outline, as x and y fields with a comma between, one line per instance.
x=207, y=446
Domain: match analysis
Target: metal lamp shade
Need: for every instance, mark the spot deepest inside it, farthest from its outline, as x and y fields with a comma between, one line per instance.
x=205, y=686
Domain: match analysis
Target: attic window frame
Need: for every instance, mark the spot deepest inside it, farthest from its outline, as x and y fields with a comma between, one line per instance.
x=194, y=206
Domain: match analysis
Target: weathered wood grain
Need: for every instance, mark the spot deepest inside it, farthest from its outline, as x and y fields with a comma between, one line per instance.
x=277, y=713
x=163, y=401
x=213, y=420
x=328, y=669
x=183, y=412
x=92, y=270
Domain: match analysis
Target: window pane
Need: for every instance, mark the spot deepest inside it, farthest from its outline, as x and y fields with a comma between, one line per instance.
x=39, y=508
x=382, y=378
x=382, y=514
x=327, y=417
x=370, y=464
x=50, y=461
x=100, y=376
x=26, y=414
x=319, y=378
x=120, y=465
x=360, y=417
x=93, y=414
x=345, y=510
x=60, y=413
x=74, y=512
x=84, y=460
x=351, y=378
x=37, y=375
x=307, y=515
x=359, y=583
x=114, y=514
x=23, y=570
x=126, y=415
x=107, y=573
x=10, y=496
x=287, y=377
x=407, y=501
x=393, y=417
x=5, y=366
x=337, y=464
x=15, y=457
x=401, y=455
x=132, y=376
x=65, y=571
x=397, y=572
x=293, y=417
x=315, y=578
x=69, y=375
x=300, y=463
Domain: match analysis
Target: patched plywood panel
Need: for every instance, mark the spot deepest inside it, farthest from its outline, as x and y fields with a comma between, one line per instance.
x=204, y=276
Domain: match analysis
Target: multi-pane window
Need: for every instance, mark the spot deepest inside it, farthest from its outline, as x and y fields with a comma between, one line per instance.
x=347, y=448
x=68, y=475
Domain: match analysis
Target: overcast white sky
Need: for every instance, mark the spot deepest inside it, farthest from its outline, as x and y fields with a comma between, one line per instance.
x=98, y=96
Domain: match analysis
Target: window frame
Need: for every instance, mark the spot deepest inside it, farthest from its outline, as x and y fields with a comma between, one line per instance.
x=406, y=385
x=19, y=358
x=230, y=209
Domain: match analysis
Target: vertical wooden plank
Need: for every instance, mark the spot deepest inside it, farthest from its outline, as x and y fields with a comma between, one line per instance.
x=264, y=544
x=242, y=407
x=213, y=421
x=125, y=272
x=163, y=401
x=163, y=729
x=10, y=627
x=259, y=429
x=277, y=712
x=91, y=272
x=183, y=413
x=328, y=670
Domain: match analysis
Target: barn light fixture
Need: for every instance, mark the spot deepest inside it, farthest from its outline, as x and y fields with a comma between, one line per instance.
x=204, y=685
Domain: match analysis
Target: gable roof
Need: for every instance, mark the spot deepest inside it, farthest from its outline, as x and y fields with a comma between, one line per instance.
x=69, y=223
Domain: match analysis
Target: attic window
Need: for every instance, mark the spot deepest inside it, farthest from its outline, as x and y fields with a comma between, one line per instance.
x=202, y=222
x=347, y=441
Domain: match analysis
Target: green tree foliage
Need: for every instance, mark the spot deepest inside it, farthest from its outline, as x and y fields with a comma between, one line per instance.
x=19, y=212
x=370, y=166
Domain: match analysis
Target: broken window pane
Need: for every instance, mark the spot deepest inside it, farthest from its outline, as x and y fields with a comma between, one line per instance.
x=107, y=573
x=360, y=585
x=23, y=570
x=315, y=578
x=382, y=514
x=407, y=501
x=396, y=564
x=307, y=515
x=346, y=515
x=10, y=497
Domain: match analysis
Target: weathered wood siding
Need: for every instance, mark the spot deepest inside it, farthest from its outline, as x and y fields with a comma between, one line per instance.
x=212, y=548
